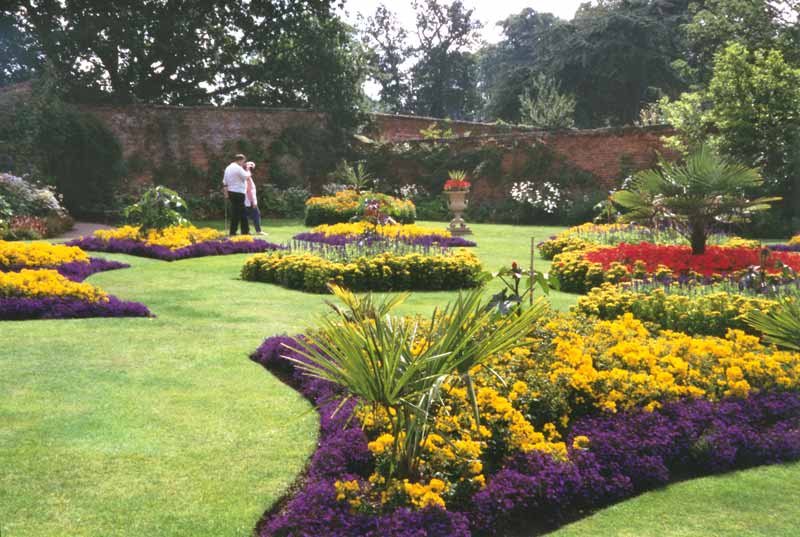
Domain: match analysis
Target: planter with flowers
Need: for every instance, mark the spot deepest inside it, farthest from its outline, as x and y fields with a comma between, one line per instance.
x=457, y=189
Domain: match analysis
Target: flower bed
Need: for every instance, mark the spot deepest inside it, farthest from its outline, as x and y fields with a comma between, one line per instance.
x=385, y=271
x=581, y=237
x=171, y=244
x=348, y=204
x=590, y=413
x=581, y=270
x=710, y=313
x=69, y=261
x=47, y=294
x=365, y=232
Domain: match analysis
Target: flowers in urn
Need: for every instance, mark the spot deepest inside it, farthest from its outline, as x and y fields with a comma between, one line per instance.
x=456, y=187
x=457, y=181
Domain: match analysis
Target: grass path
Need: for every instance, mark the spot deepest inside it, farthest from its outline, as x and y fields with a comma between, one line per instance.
x=163, y=427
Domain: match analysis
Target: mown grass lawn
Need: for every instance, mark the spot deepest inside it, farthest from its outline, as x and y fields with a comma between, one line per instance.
x=164, y=427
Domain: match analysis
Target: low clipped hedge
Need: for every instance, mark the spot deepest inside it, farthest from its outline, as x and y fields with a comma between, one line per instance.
x=348, y=204
x=384, y=272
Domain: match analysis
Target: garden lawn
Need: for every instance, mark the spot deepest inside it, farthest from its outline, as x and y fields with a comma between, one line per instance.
x=164, y=427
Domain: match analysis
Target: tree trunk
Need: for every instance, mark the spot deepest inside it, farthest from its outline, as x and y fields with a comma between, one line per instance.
x=698, y=239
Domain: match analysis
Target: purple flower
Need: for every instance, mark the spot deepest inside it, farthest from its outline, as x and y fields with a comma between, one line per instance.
x=20, y=309
x=202, y=249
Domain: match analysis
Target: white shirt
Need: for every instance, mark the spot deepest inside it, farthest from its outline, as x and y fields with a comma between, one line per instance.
x=252, y=187
x=235, y=178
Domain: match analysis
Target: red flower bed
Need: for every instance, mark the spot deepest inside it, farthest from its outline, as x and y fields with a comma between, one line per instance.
x=716, y=260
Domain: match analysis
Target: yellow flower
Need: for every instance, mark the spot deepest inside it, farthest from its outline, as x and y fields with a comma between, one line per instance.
x=580, y=442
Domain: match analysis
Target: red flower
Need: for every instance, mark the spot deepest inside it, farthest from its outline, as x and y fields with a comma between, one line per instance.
x=679, y=259
x=457, y=185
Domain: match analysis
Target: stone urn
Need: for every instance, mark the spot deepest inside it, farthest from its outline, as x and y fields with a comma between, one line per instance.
x=457, y=203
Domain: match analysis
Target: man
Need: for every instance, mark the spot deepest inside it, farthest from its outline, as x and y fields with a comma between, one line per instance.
x=234, y=185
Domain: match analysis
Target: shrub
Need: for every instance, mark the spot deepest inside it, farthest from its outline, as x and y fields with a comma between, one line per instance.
x=159, y=208
x=282, y=203
x=349, y=204
x=28, y=211
x=383, y=272
x=711, y=314
x=575, y=274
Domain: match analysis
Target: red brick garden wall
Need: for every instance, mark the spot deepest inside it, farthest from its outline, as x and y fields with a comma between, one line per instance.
x=191, y=134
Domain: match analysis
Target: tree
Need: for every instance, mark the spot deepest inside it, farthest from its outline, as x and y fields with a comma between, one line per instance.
x=755, y=24
x=388, y=43
x=751, y=110
x=508, y=66
x=544, y=107
x=705, y=190
x=445, y=77
x=181, y=52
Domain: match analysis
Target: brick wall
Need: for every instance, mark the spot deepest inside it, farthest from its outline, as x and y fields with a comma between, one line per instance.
x=191, y=134
x=399, y=128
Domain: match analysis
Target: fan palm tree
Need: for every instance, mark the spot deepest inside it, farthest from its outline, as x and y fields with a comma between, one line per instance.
x=400, y=363
x=704, y=190
x=781, y=325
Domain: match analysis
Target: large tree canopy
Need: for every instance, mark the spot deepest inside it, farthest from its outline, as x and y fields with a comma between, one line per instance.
x=185, y=52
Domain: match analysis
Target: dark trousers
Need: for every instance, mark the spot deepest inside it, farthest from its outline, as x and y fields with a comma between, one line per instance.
x=255, y=216
x=238, y=215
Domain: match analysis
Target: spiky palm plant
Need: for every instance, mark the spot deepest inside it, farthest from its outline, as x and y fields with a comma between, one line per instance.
x=781, y=325
x=704, y=190
x=400, y=363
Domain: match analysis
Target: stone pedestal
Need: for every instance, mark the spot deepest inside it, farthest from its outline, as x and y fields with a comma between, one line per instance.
x=457, y=203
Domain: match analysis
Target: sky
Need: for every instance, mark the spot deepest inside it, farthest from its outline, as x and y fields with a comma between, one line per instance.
x=487, y=11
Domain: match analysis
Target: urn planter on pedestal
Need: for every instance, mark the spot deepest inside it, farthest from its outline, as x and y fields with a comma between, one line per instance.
x=457, y=203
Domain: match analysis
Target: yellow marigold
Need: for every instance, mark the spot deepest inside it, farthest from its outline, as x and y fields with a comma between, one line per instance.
x=580, y=442
x=381, y=443
x=173, y=237
x=46, y=283
x=39, y=254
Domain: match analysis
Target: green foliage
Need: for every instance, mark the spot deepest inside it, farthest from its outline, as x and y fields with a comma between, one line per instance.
x=781, y=324
x=544, y=107
x=282, y=203
x=705, y=190
x=356, y=177
x=367, y=351
x=70, y=149
x=751, y=111
x=158, y=209
x=445, y=75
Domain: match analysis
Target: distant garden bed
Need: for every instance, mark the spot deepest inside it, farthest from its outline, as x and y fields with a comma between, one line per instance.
x=45, y=281
x=380, y=271
x=349, y=204
x=172, y=243
x=368, y=234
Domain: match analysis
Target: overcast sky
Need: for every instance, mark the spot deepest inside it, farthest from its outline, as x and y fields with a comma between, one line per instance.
x=487, y=11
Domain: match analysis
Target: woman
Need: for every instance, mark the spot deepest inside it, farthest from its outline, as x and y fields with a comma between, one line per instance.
x=251, y=199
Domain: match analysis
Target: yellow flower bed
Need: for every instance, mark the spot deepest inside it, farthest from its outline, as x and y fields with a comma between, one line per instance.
x=174, y=237
x=704, y=314
x=46, y=283
x=39, y=254
x=568, y=368
x=383, y=272
x=617, y=365
x=356, y=229
x=795, y=241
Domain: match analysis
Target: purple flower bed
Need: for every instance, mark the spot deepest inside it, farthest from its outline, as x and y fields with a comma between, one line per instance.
x=425, y=241
x=21, y=309
x=202, y=249
x=785, y=247
x=76, y=271
x=629, y=453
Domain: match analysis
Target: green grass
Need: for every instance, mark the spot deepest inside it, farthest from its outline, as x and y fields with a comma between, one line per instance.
x=163, y=426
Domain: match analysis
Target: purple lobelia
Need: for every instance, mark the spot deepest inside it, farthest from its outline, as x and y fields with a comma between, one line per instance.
x=628, y=453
